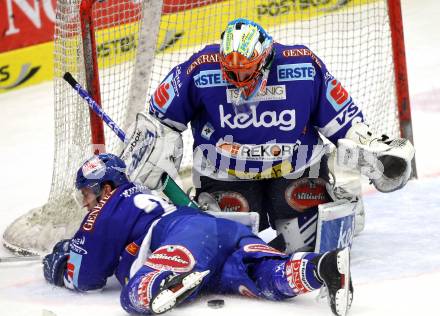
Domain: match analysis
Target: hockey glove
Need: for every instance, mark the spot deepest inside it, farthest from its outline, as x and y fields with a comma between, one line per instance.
x=55, y=264
x=386, y=162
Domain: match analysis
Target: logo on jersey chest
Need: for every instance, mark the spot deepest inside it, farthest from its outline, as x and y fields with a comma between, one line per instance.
x=295, y=72
x=268, y=93
x=209, y=78
x=259, y=152
x=284, y=120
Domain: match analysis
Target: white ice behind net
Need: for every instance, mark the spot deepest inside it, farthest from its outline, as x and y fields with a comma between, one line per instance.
x=351, y=37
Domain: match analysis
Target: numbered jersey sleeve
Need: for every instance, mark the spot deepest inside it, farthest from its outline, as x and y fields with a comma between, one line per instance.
x=106, y=233
x=335, y=110
x=174, y=102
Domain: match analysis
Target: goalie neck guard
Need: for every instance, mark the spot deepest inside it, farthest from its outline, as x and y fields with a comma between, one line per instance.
x=246, y=53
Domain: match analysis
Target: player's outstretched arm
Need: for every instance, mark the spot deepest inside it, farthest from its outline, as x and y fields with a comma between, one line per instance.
x=385, y=161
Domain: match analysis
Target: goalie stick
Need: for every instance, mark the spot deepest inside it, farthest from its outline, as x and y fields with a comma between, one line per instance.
x=170, y=187
x=20, y=259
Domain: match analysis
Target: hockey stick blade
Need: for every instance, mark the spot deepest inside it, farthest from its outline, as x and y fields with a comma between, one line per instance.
x=20, y=259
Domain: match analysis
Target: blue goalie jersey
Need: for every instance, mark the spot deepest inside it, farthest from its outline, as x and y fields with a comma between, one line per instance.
x=277, y=134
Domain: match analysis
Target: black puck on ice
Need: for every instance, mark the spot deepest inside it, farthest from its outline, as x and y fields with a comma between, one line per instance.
x=216, y=303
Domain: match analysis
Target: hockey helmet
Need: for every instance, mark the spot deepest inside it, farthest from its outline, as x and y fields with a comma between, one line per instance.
x=101, y=169
x=246, y=52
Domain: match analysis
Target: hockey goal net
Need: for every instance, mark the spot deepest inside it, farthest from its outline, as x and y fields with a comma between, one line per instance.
x=121, y=50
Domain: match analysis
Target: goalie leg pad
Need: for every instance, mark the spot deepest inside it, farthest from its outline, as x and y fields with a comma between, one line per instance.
x=336, y=225
x=299, y=232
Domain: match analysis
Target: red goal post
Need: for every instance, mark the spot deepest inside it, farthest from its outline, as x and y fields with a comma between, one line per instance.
x=121, y=50
x=400, y=73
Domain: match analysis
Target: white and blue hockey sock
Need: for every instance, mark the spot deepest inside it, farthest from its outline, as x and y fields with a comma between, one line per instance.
x=280, y=279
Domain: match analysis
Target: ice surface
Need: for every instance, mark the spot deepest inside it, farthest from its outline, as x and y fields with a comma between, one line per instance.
x=396, y=260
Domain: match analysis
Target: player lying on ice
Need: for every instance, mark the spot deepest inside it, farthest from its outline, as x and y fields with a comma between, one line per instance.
x=164, y=255
x=258, y=110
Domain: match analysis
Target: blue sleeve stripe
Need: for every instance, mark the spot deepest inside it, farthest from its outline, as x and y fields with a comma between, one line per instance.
x=75, y=259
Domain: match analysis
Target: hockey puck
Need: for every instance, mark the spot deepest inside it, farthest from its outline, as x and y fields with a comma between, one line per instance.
x=216, y=303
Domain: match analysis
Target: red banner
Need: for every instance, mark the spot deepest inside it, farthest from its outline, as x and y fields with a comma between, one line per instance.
x=172, y=6
x=25, y=23
x=29, y=22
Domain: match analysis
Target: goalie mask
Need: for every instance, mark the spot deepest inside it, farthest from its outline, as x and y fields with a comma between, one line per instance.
x=246, y=54
x=94, y=173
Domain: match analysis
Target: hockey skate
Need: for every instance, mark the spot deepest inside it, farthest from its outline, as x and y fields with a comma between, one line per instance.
x=333, y=268
x=175, y=289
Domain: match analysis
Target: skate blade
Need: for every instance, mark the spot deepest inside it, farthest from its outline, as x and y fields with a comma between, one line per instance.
x=167, y=299
x=343, y=295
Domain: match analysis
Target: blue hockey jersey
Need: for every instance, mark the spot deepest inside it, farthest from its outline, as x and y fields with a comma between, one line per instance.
x=278, y=135
x=110, y=235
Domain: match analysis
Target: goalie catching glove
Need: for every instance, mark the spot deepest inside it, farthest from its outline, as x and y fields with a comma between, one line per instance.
x=153, y=149
x=386, y=162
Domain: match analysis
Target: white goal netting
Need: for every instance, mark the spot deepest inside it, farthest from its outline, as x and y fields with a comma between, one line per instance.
x=139, y=41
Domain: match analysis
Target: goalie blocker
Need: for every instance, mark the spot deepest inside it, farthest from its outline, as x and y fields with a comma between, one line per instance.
x=152, y=149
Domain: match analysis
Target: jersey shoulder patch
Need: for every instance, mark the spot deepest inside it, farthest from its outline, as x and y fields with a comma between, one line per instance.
x=297, y=53
x=208, y=55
